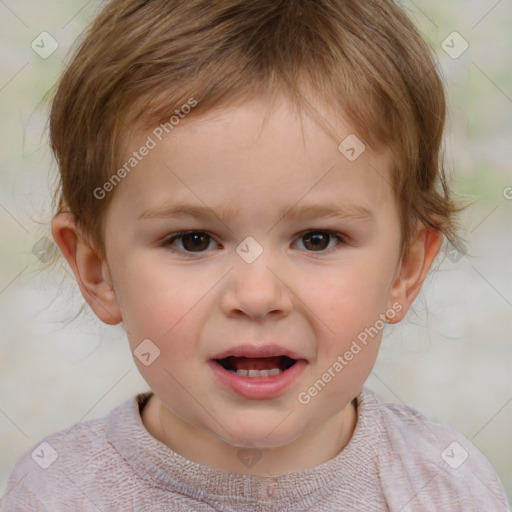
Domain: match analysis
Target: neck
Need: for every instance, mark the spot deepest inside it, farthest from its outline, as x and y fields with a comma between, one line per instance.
x=311, y=449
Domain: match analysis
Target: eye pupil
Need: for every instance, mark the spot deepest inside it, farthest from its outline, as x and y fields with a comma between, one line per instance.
x=317, y=240
x=195, y=242
x=200, y=241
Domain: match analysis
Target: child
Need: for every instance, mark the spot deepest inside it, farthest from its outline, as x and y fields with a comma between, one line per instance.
x=254, y=189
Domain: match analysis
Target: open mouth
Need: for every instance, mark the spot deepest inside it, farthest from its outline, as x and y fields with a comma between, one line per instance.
x=255, y=367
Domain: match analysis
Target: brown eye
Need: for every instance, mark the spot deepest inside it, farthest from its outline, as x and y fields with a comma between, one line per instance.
x=193, y=241
x=318, y=240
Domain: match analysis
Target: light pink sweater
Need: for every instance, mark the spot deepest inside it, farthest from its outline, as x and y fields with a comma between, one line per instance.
x=396, y=460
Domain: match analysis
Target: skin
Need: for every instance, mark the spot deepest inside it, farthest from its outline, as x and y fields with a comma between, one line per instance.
x=313, y=300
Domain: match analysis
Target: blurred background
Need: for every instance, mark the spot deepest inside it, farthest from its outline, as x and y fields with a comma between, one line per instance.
x=452, y=356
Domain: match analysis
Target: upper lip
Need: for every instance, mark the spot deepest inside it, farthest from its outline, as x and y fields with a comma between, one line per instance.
x=257, y=351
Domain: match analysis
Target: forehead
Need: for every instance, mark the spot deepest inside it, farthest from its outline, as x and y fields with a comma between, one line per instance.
x=253, y=158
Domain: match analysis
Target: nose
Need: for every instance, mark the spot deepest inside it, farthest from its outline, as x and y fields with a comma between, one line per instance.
x=256, y=290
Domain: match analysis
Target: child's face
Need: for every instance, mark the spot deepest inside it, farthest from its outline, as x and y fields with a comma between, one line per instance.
x=307, y=295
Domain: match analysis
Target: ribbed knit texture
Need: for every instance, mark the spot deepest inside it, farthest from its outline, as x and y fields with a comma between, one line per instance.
x=393, y=462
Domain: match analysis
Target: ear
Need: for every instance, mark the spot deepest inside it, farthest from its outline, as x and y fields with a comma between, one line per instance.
x=414, y=267
x=91, y=272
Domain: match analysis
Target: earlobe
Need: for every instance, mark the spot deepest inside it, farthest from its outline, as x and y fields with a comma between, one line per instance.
x=414, y=268
x=91, y=272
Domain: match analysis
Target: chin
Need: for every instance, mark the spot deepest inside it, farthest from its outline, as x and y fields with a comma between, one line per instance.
x=261, y=434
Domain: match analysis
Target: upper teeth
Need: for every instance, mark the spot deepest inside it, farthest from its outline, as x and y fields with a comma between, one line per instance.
x=259, y=373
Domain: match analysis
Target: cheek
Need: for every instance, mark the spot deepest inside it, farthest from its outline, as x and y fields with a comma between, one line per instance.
x=159, y=305
x=350, y=302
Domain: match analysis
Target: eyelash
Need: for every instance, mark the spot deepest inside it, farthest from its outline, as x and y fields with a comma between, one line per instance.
x=178, y=236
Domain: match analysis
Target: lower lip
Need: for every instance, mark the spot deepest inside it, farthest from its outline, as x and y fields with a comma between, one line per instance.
x=258, y=388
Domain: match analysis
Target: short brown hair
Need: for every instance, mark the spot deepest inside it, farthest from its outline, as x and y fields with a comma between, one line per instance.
x=366, y=59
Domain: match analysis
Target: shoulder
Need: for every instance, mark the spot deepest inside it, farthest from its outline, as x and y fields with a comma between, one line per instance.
x=55, y=471
x=427, y=466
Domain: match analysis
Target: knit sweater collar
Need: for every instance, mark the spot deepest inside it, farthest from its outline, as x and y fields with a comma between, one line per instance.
x=162, y=467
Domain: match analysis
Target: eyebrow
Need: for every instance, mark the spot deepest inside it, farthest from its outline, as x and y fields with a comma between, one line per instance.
x=226, y=214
